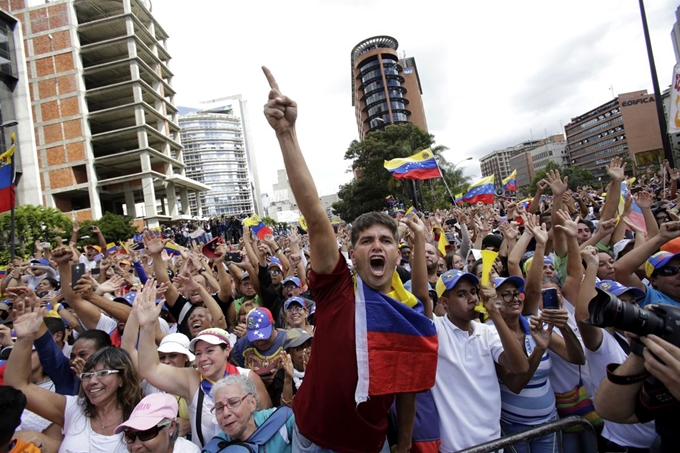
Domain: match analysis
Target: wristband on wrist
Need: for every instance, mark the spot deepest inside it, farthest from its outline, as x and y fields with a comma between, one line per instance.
x=623, y=380
x=278, y=249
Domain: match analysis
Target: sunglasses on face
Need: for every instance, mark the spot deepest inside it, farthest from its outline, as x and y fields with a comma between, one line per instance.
x=668, y=271
x=99, y=374
x=143, y=436
x=508, y=297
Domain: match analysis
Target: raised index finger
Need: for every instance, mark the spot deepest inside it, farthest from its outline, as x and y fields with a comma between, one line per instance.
x=270, y=78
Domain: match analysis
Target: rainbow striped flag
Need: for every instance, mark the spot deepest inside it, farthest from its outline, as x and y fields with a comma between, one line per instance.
x=257, y=226
x=396, y=345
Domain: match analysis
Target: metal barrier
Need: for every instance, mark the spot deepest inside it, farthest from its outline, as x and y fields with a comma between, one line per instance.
x=538, y=431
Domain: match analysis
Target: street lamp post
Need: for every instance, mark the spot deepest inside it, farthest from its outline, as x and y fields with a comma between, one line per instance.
x=3, y=126
x=667, y=151
x=453, y=199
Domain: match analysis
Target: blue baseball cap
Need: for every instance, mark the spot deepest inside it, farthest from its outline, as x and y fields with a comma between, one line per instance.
x=517, y=281
x=128, y=298
x=42, y=261
x=296, y=300
x=617, y=288
x=293, y=280
x=259, y=324
x=450, y=278
x=657, y=261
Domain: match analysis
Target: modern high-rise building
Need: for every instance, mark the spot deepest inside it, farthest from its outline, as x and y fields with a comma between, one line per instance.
x=15, y=111
x=675, y=35
x=106, y=130
x=551, y=149
x=218, y=152
x=626, y=126
x=497, y=162
x=385, y=88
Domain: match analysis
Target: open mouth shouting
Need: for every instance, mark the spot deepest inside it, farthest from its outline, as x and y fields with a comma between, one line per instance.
x=377, y=265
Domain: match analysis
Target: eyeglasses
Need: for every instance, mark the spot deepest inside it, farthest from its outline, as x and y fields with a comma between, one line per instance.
x=99, y=374
x=143, y=436
x=294, y=308
x=668, y=271
x=508, y=297
x=274, y=272
x=231, y=403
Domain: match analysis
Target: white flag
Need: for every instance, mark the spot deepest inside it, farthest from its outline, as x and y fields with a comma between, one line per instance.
x=674, y=114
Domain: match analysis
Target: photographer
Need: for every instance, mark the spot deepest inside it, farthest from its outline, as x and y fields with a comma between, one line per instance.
x=660, y=268
x=629, y=396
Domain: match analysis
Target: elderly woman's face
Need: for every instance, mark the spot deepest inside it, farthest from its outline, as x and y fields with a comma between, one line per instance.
x=236, y=414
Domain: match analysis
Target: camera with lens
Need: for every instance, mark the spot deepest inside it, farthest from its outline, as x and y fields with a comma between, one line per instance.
x=607, y=310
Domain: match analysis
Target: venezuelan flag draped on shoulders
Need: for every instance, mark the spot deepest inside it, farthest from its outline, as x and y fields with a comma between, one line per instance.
x=257, y=226
x=510, y=183
x=396, y=344
x=481, y=191
x=421, y=165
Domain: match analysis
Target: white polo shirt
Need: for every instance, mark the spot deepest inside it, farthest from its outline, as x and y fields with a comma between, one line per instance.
x=466, y=391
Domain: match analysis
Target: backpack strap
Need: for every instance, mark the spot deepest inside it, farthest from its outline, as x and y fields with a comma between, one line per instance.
x=199, y=413
x=270, y=426
x=216, y=445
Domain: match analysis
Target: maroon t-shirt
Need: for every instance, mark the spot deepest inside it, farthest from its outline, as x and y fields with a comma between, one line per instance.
x=325, y=411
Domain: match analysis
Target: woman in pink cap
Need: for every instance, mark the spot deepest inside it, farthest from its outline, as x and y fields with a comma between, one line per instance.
x=153, y=428
x=211, y=348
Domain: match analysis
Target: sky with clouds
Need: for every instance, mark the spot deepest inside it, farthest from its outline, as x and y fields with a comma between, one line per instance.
x=493, y=73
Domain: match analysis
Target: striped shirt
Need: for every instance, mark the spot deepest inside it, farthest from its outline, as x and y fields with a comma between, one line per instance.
x=535, y=404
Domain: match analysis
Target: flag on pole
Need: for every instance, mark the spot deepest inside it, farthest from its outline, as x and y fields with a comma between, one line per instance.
x=7, y=189
x=421, y=165
x=410, y=210
x=172, y=249
x=481, y=191
x=674, y=116
x=442, y=242
x=459, y=198
x=510, y=183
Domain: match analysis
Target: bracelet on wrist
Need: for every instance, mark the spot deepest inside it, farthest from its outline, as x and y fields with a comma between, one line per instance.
x=277, y=250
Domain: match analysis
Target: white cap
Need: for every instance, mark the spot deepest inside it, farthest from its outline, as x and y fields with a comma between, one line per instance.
x=176, y=342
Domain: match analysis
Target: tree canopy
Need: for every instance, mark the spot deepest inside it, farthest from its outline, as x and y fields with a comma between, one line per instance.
x=577, y=177
x=37, y=223
x=369, y=191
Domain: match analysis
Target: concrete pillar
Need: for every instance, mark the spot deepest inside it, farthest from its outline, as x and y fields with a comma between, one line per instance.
x=171, y=196
x=130, y=202
x=184, y=199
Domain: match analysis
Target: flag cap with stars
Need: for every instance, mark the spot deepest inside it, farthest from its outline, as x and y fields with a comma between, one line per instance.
x=259, y=324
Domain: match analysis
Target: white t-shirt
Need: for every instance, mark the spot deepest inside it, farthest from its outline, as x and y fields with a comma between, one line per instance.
x=79, y=437
x=106, y=324
x=89, y=265
x=32, y=421
x=185, y=446
x=640, y=435
x=466, y=390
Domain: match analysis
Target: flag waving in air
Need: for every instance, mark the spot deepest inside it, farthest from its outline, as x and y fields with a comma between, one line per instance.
x=421, y=165
x=257, y=226
x=481, y=191
x=510, y=183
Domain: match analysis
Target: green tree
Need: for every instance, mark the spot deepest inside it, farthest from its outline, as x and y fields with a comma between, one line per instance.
x=32, y=223
x=368, y=192
x=115, y=228
x=577, y=177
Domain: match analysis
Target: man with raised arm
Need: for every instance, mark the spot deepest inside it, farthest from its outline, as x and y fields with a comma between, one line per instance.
x=341, y=406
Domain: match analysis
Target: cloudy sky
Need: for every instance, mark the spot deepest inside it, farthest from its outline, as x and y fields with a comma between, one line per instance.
x=493, y=73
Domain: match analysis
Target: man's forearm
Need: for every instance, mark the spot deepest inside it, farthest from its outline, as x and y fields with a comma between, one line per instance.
x=406, y=412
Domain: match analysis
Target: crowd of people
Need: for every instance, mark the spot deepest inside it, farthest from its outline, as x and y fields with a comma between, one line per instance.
x=422, y=332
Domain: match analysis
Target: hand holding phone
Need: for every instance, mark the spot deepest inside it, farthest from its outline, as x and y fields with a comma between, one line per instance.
x=550, y=299
x=77, y=271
